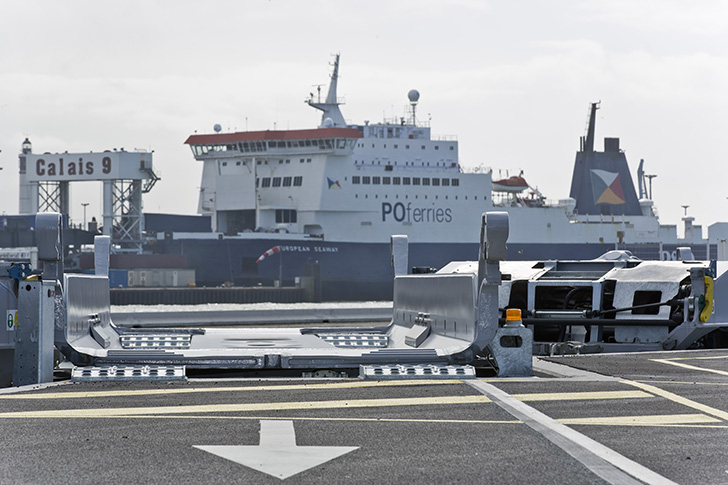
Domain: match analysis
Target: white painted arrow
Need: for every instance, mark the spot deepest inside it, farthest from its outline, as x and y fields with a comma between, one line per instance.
x=278, y=455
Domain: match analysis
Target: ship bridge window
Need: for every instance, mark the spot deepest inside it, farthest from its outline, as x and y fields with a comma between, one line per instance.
x=386, y=180
x=425, y=181
x=254, y=146
x=365, y=180
x=224, y=164
x=297, y=181
x=435, y=182
x=405, y=180
x=286, y=215
x=455, y=182
x=303, y=160
x=415, y=181
x=276, y=181
x=355, y=179
x=445, y=182
x=266, y=182
x=395, y=181
x=308, y=160
x=376, y=180
x=287, y=181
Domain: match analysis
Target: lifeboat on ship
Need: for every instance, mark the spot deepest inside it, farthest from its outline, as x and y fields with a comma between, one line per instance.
x=511, y=185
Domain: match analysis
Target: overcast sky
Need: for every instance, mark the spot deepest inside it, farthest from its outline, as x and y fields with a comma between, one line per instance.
x=511, y=79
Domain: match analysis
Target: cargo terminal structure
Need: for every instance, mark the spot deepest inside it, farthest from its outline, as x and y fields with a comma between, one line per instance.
x=45, y=184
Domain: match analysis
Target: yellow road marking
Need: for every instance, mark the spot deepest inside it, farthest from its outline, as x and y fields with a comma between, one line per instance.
x=307, y=418
x=712, y=357
x=654, y=420
x=693, y=383
x=245, y=407
x=581, y=396
x=284, y=387
x=680, y=400
x=691, y=367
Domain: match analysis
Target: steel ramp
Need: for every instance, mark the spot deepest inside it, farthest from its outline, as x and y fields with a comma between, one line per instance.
x=439, y=321
x=88, y=336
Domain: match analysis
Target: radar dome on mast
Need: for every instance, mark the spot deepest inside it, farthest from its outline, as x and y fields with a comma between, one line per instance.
x=413, y=97
x=217, y=128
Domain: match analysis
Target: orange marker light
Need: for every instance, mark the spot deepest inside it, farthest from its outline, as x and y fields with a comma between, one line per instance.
x=513, y=315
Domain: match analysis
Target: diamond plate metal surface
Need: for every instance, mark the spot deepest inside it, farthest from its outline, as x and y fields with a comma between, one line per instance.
x=419, y=371
x=131, y=341
x=355, y=340
x=129, y=373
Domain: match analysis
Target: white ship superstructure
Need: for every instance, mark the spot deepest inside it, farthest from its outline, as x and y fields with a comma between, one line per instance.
x=358, y=183
x=363, y=183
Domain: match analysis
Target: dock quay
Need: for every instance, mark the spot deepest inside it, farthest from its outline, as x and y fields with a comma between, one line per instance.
x=638, y=418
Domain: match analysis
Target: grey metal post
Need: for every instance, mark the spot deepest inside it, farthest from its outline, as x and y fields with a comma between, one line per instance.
x=493, y=233
x=102, y=248
x=512, y=346
x=33, y=362
x=49, y=239
x=400, y=254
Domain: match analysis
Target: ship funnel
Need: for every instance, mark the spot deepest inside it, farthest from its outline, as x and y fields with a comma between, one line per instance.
x=601, y=183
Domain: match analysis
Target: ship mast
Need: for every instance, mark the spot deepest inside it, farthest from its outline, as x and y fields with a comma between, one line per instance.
x=331, y=113
x=588, y=140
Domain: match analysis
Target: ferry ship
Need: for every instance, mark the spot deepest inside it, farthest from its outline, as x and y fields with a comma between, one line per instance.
x=288, y=203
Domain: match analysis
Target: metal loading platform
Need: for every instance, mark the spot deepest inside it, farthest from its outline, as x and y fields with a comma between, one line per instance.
x=440, y=323
x=454, y=317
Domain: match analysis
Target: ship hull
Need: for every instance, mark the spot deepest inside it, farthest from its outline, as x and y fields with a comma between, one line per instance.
x=363, y=271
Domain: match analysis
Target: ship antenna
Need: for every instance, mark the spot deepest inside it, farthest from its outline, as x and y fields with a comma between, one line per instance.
x=331, y=113
x=650, y=177
x=414, y=97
